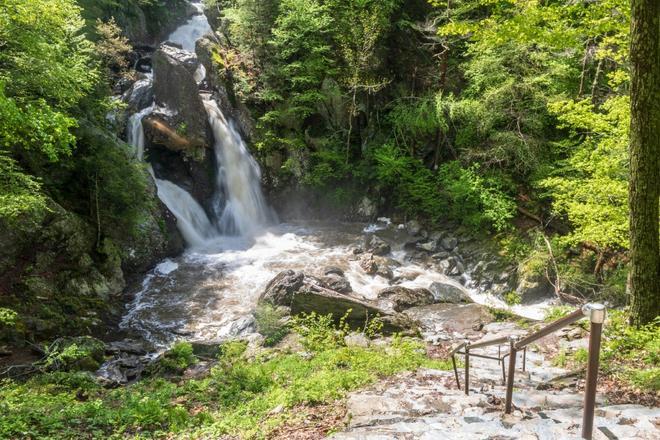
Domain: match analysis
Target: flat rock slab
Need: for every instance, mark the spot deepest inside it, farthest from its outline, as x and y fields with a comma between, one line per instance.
x=427, y=405
x=451, y=320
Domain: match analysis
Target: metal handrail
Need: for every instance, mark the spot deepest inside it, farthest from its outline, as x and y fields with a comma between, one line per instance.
x=595, y=313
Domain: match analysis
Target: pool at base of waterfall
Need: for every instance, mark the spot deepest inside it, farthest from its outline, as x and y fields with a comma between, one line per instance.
x=210, y=292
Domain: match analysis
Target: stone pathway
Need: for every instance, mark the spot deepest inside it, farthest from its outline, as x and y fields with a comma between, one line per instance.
x=427, y=405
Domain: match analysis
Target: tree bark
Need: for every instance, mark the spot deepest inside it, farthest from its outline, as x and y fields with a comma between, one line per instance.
x=644, y=277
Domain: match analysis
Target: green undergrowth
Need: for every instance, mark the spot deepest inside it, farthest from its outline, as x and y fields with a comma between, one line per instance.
x=630, y=355
x=242, y=396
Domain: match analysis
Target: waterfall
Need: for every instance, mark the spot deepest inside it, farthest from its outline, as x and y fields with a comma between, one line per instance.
x=192, y=221
x=135, y=135
x=194, y=29
x=245, y=210
x=240, y=206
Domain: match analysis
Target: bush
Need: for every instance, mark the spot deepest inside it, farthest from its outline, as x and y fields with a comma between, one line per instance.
x=177, y=358
x=271, y=323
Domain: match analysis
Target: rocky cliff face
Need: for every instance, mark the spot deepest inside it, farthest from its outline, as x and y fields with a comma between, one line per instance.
x=143, y=23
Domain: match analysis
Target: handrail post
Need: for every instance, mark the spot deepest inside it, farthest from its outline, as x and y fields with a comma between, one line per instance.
x=511, y=372
x=596, y=314
x=453, y=362
x=467, y=367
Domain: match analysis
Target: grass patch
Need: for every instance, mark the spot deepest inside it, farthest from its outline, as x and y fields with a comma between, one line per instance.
x=237, y=398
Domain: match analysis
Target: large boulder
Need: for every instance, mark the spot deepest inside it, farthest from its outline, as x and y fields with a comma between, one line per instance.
x=450, y=321
x=400, y=298
x=180, y=123
x=302, y=293
x=534, y=288
x=376, y=245
x=139, y=96
x=448, y=293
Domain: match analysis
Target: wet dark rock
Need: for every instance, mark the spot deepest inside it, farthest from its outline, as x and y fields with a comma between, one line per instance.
x=368, y=264
x=413, y=227
x=281, y=290
x=139, y=96
x=337, y=282
x=377, y=245
x=333, y=270
x=121, y=370
x=448, y=293
x=399, y=298
x=183, y=124
x=129, y=346
x=449, y=243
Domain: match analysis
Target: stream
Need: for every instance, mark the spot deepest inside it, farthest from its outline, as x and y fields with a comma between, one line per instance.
x=210, y=291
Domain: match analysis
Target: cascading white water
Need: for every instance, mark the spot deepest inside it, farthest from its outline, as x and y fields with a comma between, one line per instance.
x=196, y=27
x=192, y=220
x=135, y=135
x=245, y=210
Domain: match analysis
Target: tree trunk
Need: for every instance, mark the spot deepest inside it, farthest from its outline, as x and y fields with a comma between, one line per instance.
x=644, y=278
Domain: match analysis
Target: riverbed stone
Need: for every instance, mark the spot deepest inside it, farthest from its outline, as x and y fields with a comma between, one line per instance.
x=376, y=245
x=449, y=243
x=428, y=246
x=400, y=298
x=368, y=264
x=338, y=283
x=413, y=227
x=448, y=293
x=449, y=320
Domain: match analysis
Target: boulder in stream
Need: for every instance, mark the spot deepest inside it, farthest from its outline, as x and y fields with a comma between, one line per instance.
x=303, y=293
x=376, y=245
x=400, y=298
x=181, y=122
x=448, y=293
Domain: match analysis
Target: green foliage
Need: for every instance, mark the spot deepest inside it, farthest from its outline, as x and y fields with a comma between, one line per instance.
x=236, y=399
x=628, y=353
x=82, y=353
x=591, y=186
x=555, y=312
x=319, y=332
x=476, y=200
x=7, y=317
x=271, y=323
x=512, y=298
x=179, y=357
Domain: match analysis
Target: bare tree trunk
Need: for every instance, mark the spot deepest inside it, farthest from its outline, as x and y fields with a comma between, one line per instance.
x=644, y=278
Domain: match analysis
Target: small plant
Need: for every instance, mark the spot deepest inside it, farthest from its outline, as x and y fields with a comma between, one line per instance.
x=7, y=317
x=501, y=315
x=178, y=358
x=319, y=332
x=271, y=323
x=556, y=312
x=512, y=298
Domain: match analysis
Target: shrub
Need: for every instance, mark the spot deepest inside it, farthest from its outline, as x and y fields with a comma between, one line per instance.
x=271, y=323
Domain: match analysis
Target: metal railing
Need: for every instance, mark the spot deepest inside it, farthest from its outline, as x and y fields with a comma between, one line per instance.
x=596, y=315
